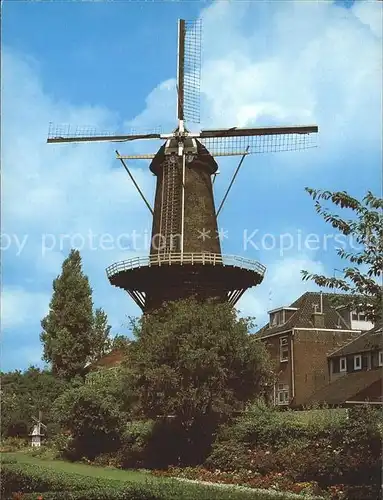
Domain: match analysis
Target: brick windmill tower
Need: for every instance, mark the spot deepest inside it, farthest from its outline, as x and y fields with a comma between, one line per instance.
x=185, y=255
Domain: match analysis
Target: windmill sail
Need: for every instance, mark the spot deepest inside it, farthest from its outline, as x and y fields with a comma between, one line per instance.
x=189, y=70
x=273, y=143
x=67, y=133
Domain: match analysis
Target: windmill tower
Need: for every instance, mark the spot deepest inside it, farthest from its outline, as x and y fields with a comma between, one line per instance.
x=185, y=255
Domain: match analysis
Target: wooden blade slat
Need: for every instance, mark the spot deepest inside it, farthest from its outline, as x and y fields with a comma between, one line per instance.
x=103, y=138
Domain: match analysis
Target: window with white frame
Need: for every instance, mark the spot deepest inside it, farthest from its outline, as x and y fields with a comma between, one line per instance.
x=283, y=349
x=357, y=362
x=282, y=394
x=380, y=358
x=343, y=365
x=358, y=316
x=277, y=318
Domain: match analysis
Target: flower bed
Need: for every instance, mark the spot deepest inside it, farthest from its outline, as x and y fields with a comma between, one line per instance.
x=272, y=481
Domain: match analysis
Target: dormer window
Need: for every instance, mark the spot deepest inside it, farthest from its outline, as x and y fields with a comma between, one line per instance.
x=281, y=315
x=276, y=318
x=358, y=316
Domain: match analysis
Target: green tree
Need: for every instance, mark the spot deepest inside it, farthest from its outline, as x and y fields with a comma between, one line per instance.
x=197, y=363
x=23, y=395
x=101, y=341
x=362, y=279
x=120, y=342
x=95, y=415
x=68, y=327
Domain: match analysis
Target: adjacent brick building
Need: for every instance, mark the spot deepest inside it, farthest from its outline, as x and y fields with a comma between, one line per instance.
x=299, y=338
x=355, y=372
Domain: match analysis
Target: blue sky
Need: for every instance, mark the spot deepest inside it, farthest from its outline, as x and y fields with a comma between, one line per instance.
x=112, y=65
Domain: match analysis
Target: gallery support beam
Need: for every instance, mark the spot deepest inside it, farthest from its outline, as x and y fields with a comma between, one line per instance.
x=134, y=182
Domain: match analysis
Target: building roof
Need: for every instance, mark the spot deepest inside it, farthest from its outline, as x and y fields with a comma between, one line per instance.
x=347, y=387
x=302, y=318
x=369, y=341
x=110, y=360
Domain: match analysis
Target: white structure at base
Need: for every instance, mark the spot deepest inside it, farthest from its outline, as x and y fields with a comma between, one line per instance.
x=36, y=436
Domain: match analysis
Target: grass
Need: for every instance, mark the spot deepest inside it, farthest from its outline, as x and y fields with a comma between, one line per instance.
x=82, y=469
x=166, y=488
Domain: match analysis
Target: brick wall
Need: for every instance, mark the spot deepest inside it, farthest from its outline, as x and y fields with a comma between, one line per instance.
x=281, y=369
x=311, y=348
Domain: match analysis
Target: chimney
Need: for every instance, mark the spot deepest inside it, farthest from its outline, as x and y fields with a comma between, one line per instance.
x=318, y=316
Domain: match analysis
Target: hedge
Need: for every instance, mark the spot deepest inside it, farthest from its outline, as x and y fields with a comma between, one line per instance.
x=30, y=477
x=35, y=481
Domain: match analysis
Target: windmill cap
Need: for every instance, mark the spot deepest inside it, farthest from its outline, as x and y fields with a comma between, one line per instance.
x=203, y=157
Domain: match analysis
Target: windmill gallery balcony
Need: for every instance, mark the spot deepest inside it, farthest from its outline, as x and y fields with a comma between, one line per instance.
x=146, y=279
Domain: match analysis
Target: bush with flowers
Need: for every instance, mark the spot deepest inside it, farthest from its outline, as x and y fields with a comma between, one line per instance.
x=347, y=453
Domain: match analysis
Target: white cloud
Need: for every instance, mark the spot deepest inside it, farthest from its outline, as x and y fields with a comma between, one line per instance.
x=20, y=306
x=370, y=14
x=282, y=285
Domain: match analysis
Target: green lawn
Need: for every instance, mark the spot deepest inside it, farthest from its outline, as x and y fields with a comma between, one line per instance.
x=162, y=488
x=83, y=469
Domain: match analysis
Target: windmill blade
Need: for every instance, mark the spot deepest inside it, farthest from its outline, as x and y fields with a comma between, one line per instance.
x=235, y=131
x=276, y=140
x=189, y=70
x=65, y=133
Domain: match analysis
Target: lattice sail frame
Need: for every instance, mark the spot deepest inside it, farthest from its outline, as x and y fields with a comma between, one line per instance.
x=192, y=70
x=273, y=143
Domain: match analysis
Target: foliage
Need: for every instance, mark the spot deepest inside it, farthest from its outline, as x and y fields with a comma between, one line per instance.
x=264, y=426
x=343, y=452
x=94, y=416
x=135, y=450
x=275, y=481
x=68, y=327
x=366, y=228
x=23, y=395
x=12, y=444
x=196, y=363
x=120, y=342
x=31, y=477
x=49, y=484
x=101, y=341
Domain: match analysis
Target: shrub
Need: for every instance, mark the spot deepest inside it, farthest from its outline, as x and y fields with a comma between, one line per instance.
x=265, y=426
x=228, y=455
x=152, y=444
x=94, y=419
x=13, y=444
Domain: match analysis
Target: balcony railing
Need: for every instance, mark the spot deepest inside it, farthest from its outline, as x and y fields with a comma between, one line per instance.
x=186, y=258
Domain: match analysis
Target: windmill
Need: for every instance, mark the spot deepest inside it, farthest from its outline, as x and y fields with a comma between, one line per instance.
x=185, y=255
x=36, y=433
